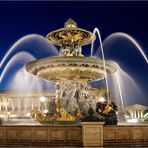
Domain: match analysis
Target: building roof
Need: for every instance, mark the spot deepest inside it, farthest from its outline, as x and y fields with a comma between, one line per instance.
x=136, y=107
x=31, y=93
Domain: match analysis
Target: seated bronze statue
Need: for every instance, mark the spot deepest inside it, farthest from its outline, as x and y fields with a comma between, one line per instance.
x=107, y=110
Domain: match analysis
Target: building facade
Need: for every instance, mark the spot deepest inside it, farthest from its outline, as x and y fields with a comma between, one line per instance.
x=21, y=103
x=136, y=111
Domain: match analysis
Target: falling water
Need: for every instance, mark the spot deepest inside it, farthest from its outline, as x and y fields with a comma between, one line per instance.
x=122, y=77
x=92, y=44
x=19, y=58
x=17, y=63
x=32, y=40
x=96, y=31
x=22, y=52
x=118, y=35
x=128, y=88
x=120, y=83
x=21, y=81
x=29, y=82
x=117, y=75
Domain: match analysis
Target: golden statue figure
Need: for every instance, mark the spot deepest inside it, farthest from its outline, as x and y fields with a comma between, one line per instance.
x=60, y=115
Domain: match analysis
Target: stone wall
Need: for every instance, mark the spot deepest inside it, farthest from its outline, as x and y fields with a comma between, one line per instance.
x=72, y=135
x=40, y=135
x=92, y=134
x=125, y=135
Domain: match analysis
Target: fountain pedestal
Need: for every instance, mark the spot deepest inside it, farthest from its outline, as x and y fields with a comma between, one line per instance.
x=92, y=134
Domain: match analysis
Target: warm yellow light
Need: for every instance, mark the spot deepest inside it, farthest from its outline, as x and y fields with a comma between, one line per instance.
x=13, y=115
x=101, y=99
x=8, y=113
x=28, y=114
x=45, y=111
x=42, y=99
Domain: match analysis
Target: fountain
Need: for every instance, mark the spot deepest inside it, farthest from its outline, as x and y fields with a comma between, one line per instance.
x=69, y=75
x=71, y=97
x=71, y=71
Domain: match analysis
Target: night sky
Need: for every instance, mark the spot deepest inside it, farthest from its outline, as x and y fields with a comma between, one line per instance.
x=21, y=18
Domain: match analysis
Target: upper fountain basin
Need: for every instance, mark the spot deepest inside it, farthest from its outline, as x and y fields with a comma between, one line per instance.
x=71, y=35
x=60, y=69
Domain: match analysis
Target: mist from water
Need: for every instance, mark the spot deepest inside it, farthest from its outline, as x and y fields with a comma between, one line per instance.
x=20, y=58
x=128, y=88
x=13, y=75
x=23, y=81
x=17, y=76
x=121, y=84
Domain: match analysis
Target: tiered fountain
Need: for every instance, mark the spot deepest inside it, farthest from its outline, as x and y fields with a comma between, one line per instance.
x=71, y=71
x=74, y=98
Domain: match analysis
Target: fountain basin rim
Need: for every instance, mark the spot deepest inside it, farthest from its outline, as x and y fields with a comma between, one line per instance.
x=66, y=68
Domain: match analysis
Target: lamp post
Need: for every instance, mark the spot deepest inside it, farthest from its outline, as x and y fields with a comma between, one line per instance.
x=42, y=100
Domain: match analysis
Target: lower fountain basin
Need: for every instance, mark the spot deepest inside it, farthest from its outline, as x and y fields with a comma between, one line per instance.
x=59, y=69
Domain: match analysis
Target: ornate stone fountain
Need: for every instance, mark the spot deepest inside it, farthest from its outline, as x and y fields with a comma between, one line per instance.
x=71, y=64
x=71, y=70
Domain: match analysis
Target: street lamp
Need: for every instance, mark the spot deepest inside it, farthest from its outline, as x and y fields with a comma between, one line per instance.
x=42, y=99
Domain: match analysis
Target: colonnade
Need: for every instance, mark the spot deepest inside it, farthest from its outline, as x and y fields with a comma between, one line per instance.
x=22, y=104
x=137, y=114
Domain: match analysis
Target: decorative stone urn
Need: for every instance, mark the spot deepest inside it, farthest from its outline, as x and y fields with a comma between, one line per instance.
x=92, y=134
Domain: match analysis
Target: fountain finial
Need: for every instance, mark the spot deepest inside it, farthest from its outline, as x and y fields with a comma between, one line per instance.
x=70, y=23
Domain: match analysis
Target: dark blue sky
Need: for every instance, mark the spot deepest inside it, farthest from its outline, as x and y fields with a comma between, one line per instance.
x=20, y=18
